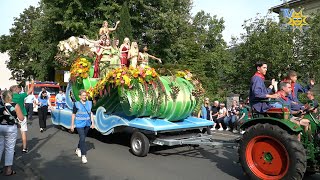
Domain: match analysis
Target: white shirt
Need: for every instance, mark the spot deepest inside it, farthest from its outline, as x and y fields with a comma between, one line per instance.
x=30, y=98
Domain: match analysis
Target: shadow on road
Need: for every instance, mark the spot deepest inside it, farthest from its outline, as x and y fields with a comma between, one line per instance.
x=56, y=168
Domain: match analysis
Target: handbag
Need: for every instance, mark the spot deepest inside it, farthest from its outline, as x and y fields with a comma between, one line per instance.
x=12, y=120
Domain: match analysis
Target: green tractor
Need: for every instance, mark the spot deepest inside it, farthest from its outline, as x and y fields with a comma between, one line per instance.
x=270, y=149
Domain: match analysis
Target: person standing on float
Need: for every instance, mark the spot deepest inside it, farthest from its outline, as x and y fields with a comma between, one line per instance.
x=133, y=54
x=124, y=50
x=144, y=55
x=115, y=60
x=105, y=30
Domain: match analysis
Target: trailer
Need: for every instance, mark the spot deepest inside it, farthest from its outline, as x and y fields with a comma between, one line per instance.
x=145, y=131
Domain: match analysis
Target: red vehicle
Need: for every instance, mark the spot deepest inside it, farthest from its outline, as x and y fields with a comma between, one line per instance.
x=51, y=87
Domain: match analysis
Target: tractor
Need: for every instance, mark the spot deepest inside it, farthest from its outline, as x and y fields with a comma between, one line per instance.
x=270, y=149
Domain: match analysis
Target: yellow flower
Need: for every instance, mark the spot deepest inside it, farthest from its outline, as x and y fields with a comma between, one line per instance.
x=126, y=80
x=148, y=72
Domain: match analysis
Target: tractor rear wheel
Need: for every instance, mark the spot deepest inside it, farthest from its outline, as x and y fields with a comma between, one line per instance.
x=270, y=152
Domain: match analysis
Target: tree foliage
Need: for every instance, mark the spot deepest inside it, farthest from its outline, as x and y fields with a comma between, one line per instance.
x=125, y=29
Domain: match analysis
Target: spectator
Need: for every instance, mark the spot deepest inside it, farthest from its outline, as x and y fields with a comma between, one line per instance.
x=9, y=112
x=82, y=119
x=29, y=101
x=258, y=90
x=243, y=116
x=215, y=112
x=231, y=117
x=19, y=99
x=43, y=103
x=205, y=112
x=222, y=114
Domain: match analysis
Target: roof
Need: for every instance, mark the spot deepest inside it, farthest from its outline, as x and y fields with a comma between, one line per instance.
x=292, y=3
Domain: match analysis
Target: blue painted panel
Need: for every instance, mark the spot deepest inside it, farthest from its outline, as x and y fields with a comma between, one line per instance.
x=105, y=123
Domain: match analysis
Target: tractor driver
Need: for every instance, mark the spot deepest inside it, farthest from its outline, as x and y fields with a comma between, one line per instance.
x=285, y=91
x=258, y=90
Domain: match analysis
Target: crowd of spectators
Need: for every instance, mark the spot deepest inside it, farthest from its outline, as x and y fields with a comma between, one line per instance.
x=225, y=119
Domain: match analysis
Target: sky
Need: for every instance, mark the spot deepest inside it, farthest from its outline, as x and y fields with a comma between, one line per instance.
x=234, y=12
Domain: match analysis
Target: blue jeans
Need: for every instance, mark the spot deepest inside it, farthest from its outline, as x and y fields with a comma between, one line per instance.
x=230, y=120
x=8, y=136
x=82, y=139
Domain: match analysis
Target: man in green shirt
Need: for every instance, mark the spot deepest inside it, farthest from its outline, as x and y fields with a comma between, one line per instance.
x=18, y=98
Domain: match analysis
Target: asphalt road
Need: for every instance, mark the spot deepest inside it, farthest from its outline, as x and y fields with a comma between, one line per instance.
x=52, y=156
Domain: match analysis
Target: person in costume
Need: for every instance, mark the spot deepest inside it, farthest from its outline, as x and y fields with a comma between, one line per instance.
x=105, y=51
x=296, y=87
x=101, y=42
x=144, y=56
x=82, y=120
x=124, y=50
x=115, y=60
x=258, y=90
x=105, y=30
x=133, y=54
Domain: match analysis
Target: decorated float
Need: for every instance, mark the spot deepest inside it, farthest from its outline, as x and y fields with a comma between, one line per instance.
x=155, y=109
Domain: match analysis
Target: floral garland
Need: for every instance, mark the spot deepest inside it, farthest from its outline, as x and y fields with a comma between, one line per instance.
x=80, y=69
x=198, y=91
x=125, y=77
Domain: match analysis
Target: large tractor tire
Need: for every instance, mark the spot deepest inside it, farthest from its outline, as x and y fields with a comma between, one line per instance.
x=269, y=152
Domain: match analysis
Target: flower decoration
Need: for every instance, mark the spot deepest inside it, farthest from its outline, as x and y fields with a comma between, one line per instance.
x=80, y=69
x=198, y=91
x=184, y=74
x=125, y=77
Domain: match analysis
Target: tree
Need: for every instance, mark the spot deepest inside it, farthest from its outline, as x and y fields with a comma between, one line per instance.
x=264, y=41
x=17, y=44
x=125, y=28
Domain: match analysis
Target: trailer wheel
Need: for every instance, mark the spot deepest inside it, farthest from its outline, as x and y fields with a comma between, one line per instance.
x=270, y=152
x=139, y=144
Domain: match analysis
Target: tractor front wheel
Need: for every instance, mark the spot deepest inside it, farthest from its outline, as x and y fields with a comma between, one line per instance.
x=270, y=152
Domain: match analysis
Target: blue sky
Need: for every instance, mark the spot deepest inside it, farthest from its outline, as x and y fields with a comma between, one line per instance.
x=234, y=12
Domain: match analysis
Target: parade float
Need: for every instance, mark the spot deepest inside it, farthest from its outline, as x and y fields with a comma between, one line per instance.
x=155, y=109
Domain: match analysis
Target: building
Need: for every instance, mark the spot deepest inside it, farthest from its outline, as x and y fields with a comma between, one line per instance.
x=309, y=6
x=5, y=81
